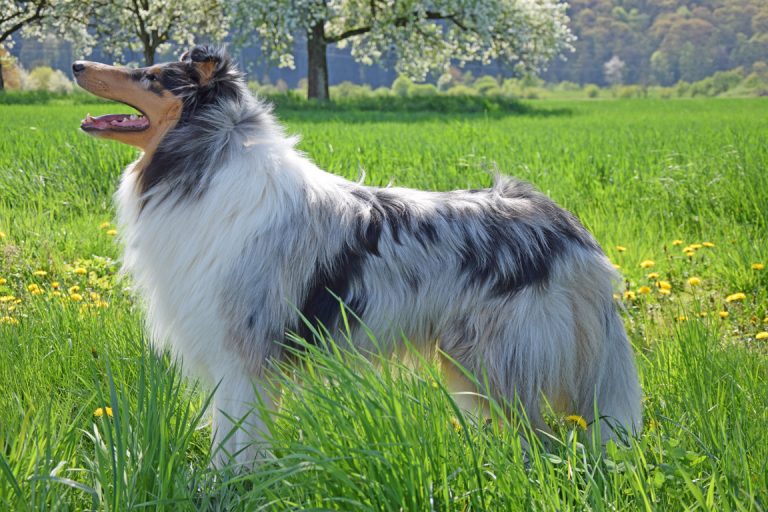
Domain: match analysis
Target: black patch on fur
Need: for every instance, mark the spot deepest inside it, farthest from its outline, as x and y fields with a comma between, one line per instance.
x=332, y=282
x=532, y=244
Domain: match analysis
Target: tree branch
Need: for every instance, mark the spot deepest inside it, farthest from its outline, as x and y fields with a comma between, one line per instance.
x=399, y=22
x=37, y=15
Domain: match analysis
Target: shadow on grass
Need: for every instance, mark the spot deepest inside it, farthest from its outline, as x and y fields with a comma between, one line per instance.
x=399, y=109
x=352, y=110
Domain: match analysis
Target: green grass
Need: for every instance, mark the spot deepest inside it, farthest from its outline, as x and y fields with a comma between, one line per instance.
x=640, y=174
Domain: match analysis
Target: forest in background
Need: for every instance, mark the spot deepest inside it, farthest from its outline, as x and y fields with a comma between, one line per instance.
x=662, y=41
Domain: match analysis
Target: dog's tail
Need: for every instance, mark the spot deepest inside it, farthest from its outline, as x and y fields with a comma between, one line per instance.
x=617, y=389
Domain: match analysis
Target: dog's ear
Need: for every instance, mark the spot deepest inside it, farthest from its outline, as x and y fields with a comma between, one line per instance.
x=205, y=60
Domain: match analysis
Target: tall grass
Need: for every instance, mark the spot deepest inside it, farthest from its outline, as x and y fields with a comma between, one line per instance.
x=352, y=435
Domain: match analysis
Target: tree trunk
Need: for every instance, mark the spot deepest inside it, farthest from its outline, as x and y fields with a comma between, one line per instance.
x=2, y=82
x=149, y=56
x=317, y=73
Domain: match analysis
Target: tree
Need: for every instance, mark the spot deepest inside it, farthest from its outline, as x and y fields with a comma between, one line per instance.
x=423, y=36
x=614, y=71
x=150, y=26
x=36, y=18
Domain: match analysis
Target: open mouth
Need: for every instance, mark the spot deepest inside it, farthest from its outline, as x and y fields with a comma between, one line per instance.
x=115, y=123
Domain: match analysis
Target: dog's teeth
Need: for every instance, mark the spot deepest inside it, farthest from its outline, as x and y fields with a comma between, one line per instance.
x=133, y=117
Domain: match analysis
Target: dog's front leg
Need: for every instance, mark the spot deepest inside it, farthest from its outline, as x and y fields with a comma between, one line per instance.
x=239, y=430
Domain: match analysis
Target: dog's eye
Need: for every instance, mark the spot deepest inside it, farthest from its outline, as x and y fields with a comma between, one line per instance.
x=150, y=77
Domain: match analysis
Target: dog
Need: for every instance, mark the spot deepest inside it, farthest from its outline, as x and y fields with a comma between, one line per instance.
x=234, y=238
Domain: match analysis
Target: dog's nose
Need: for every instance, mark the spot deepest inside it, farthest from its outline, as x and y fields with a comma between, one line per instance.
x=77, y=67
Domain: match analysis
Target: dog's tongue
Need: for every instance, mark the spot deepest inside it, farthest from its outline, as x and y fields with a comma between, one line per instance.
x=115, y=121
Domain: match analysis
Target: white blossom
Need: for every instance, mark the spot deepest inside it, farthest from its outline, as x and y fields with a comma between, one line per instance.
x=422, y=36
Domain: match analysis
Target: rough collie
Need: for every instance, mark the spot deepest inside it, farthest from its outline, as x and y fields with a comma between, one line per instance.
x=233, y=237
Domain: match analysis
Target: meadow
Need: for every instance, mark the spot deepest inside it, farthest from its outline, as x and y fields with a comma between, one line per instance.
x=676, y=192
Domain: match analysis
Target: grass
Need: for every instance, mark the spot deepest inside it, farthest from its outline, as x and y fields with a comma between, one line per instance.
x=640, y=175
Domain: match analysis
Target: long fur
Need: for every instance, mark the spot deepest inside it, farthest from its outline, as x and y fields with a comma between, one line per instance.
x=235, y=235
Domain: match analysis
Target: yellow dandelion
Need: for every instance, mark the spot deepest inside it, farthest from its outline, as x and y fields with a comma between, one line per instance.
x=456, y=424
x=762, y=335
x=629, y=295
x=95, y=296
x=99, y=412
x=112, y=232
x=7, y=298
x=758, y=266
x=55, y=285
x=653, y=275
x=694, y=281
x=664, y=291
x=723, y=314
x=76, y=297
x=708, y=244
x=703, y=314
x=2, y=281
x=80, y=271
x=621, y=248
x=735, y=297
x=73, y=289
x=9, y=320
x=56, y=293
x=664, y=285
x=690, y=254
x=681, y=318
x=102, y=304
x=677, y=242
x=577, y=420
x=2, y=235
x=40, y=273
x=696, y=246
x=34, y=289
x=104, y=225
x=647, y=263
x=644, y=290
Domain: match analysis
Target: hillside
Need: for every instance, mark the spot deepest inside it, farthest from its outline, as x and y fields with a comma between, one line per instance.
x=663, y=41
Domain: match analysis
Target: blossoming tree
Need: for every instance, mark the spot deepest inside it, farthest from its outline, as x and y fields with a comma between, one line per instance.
x=150, y=26
x=36, y=18
x=422, y=35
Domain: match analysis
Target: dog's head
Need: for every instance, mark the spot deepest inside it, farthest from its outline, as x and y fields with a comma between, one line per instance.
x=167, y=95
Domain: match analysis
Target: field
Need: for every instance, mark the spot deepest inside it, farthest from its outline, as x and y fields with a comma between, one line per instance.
x=676, y=192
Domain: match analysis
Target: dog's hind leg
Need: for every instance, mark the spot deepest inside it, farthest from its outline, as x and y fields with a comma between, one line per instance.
x=239, y=430
x=464, y=391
